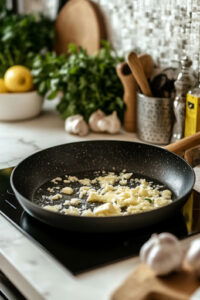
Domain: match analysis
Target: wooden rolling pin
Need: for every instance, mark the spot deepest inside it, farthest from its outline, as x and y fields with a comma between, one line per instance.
x=130, y=88
x=138, y=73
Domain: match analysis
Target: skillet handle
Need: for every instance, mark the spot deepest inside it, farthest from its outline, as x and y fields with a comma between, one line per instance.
x=184, y=144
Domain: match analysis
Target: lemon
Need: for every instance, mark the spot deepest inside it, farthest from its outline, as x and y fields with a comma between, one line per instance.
x=18, y=79
x=3, y=88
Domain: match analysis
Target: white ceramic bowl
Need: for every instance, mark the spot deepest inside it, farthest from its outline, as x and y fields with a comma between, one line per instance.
x=20, y=106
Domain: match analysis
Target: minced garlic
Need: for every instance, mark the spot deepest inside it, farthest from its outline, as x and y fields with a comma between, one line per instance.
x=113, y=194
x=67, y=190
x=55, y=197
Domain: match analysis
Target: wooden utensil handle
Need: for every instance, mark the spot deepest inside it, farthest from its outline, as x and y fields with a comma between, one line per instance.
x=130, y=88
x=184, y=143
x=138, y=72
x=147, y=64
x=130, y=112
x=129, y=84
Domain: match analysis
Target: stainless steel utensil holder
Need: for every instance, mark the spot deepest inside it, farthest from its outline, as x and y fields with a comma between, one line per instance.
x=154, y=119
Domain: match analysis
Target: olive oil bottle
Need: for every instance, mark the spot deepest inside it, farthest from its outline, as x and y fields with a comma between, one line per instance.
x=192, y=113
x=192, y=118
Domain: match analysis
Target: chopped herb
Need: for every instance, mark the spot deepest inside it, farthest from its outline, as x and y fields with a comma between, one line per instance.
x=148, y=199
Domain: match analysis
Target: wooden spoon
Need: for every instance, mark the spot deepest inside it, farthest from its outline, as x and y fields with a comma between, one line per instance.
x=130, y=87
x=138, y=73
x=147, y=64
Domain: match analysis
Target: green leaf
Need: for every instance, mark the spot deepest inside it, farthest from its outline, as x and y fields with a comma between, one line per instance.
x=42, y=88
x=149, y=200
x=72, y=48
x=52, y=95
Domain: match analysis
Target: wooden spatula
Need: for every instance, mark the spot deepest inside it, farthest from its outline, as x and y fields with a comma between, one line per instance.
x=138, y=73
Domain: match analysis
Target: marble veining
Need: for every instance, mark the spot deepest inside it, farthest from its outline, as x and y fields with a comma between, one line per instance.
x=29, y=143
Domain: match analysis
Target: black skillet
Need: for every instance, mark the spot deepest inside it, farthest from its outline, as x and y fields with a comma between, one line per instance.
x=82, y=158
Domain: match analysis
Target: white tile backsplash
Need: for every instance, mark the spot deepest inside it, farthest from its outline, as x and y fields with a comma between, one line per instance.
x=163, y=29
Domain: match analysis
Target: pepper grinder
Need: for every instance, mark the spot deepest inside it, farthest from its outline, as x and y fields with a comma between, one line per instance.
x=182, y=85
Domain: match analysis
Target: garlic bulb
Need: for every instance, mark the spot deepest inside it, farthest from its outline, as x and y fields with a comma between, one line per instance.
x=110, y=123
x=192, y=257
x=162, y=252
x=76, y=125
x=94, y=118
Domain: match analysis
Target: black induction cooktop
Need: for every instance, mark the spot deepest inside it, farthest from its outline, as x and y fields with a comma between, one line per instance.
x=83, y=251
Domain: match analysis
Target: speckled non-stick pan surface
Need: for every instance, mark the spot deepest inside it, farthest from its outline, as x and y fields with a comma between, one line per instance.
x=82, y=158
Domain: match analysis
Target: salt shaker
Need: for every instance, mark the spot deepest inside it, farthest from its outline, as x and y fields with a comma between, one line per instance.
x=182, y=85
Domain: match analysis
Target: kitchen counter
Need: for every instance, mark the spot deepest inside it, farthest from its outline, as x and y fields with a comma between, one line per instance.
x=23, y=262
x=36, y=273
x=20, y=139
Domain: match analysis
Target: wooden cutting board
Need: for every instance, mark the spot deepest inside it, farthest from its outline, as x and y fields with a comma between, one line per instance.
x=142, y=284
x=79, y=22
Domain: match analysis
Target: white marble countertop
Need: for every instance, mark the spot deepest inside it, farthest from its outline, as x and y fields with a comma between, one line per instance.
x=28, y=266
x=36, y=273
x=20, y=139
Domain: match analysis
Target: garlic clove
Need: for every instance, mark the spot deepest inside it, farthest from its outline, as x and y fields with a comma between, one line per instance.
x=192, y=257
x=110, y=123
x=94, y=118
x=103, y=125
x=83, y=128
x=115, y=124
x=164, y=260
x=146, y=248
x=69, y=122
x=168, y=238
x=162, y=252
x=76, y=125
x=164, y=238
x=74, y=117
